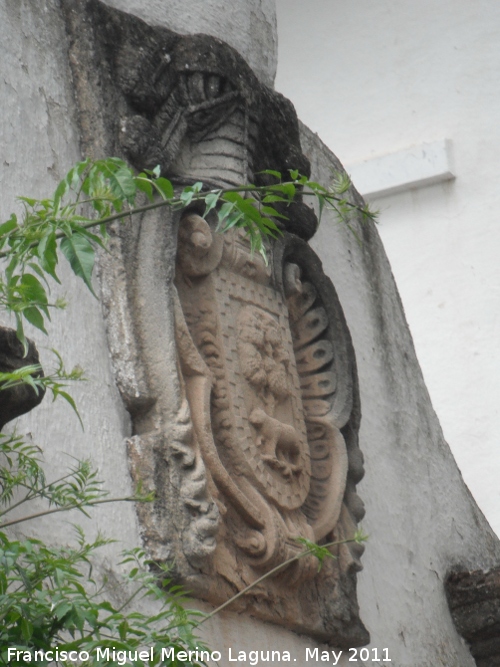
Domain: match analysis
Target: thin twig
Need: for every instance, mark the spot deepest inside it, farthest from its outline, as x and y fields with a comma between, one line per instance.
x=39, y=492
x=279, y=567
x=68, y=508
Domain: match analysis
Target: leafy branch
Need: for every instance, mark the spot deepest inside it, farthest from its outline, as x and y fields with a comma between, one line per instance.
x=49, y=598
x=56, y=382
x=78, y=489
x=95, y=194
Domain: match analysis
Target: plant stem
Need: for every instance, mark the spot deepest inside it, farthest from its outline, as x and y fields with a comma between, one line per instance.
x=67, y=508
x=198, y=197
x=34, y=494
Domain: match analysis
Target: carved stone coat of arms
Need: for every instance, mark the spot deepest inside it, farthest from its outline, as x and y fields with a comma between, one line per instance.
x=239, y=375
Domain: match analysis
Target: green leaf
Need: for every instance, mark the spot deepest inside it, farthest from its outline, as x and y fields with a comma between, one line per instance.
x=9, y=271
x=47, y=253
x=186, y=196
x=288, y=189
x=321, y=203
x=69, y=182
x=269, y=199
x=61, y=190
x=20, y=333
x=123, y=184
x=33, y=290
x=92, y=237
x=62, y=609
x=28, y=200
x=211, y=201
x=8, y=226
x=316, y=187
x=3, y=583
x=144, y=184
x=320, y=552
x=34, y=267
x=26, y=629
x=270, y=211
x=35, y=317
x=80, y=254
x=165, y=187
x=70, y=400
x=234, y=197
x=122, y=630
x=340, y=183
x=233, y=219
x=222, y=215
x=272, y=173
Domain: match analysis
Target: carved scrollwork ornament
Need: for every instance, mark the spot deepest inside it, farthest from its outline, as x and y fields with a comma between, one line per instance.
x=239, y=376
x=283, y=415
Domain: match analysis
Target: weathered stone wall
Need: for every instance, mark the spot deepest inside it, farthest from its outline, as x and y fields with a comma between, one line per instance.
x=39, y=144
x=420, y=517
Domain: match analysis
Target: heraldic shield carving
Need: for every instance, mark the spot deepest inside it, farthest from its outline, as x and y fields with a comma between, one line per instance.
x=239, y=376
x=275, y=359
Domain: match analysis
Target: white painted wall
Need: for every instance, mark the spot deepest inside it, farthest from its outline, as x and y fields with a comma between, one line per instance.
x=377, y=77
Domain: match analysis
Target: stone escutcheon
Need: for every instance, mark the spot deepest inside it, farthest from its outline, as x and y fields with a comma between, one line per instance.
x=239, y=375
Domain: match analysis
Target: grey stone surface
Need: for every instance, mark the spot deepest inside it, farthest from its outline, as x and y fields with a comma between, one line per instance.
x=247, y=25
